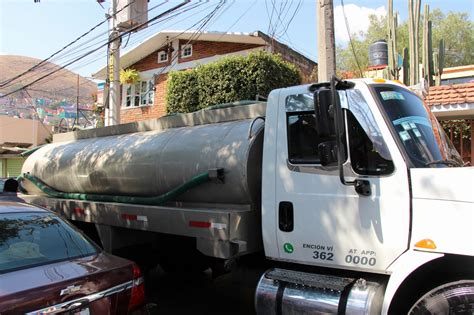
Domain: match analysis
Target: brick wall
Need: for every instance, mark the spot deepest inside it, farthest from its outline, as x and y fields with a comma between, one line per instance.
x=204, y=49
x=151, y=62
x=148, y=112
x=305, y=65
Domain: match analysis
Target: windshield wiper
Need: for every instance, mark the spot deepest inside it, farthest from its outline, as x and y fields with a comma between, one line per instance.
x=446, y=162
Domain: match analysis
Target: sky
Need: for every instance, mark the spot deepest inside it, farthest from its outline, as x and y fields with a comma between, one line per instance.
x=40, y=29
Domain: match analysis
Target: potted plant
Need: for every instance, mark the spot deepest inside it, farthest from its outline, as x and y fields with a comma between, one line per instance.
x=129, y=76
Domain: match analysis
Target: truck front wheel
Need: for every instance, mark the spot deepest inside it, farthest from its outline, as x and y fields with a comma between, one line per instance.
x=451, y=298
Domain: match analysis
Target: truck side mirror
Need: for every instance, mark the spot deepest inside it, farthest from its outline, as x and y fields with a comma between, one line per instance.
x=328, y=153
x=324, y=111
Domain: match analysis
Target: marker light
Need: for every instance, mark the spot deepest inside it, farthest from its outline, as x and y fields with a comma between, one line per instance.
x=399, y=82
x=426, y=243
x=379, y=80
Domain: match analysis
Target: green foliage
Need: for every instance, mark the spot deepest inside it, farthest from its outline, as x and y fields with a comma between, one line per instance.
x=183, y=94
x=455, y=28
x=129, y=76
x=228, y=80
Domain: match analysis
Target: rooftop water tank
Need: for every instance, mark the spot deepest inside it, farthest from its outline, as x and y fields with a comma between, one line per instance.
x=378, y=54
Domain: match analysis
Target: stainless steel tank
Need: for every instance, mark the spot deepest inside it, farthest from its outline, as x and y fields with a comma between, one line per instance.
x=154, y=162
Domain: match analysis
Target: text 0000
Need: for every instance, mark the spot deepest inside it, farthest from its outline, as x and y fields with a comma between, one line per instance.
x=360, y=260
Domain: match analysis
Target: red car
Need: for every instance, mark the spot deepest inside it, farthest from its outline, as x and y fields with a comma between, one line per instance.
x=49, y=267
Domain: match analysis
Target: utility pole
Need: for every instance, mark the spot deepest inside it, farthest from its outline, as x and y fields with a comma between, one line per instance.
x=326, y=42
x=113, y=113
x=77, y=103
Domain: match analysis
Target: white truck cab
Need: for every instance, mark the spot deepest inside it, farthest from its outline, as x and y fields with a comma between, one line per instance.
x=357, y=176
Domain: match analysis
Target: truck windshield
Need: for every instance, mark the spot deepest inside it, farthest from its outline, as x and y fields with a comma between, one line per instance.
x=418, y=130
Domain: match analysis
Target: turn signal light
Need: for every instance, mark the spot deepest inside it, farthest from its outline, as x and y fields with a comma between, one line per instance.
x=426, y=243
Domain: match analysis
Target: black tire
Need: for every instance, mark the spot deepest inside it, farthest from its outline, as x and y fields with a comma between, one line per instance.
x=451, y=298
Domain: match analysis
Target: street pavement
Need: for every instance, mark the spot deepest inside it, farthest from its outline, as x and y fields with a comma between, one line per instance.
x=199, y=293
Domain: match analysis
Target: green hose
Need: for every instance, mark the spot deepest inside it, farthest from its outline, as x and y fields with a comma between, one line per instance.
x=155, y=200
x=32, y=150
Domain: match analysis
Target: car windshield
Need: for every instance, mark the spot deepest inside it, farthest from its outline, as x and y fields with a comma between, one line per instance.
x=31, y=239
x=418, y=130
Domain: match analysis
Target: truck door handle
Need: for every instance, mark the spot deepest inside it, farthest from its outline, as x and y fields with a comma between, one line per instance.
x=285, y=216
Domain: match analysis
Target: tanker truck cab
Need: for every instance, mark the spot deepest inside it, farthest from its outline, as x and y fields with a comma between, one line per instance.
x=359, y=177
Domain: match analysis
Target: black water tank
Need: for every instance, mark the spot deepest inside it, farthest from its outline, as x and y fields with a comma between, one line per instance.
x=378, y=53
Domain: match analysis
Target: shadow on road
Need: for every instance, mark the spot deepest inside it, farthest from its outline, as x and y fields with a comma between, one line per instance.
x=199, y=293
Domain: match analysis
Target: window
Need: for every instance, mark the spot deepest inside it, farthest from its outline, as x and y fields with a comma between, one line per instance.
x=368, y=150
x=31, y=239
x=186, y=51
x=139, y=94
x=365, y=158
x=303, y=139
x=162, y=56
x=417, y=129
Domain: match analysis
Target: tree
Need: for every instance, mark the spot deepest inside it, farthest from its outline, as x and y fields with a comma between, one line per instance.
x=458, y=32
x=455, y=28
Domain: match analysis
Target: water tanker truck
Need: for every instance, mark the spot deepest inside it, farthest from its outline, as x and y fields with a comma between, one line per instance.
x=349, y=191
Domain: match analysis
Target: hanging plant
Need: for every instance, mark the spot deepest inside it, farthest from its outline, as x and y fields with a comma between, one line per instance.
x=129, y=76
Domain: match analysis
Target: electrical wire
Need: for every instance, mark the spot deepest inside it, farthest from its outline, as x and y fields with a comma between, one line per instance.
x=2, y=84
x=99, y=55
x=238, y=19
x=65, y=54
x=94, y=50
x=36, y=112
x=350, y=38
x=194, y=36
x=88, y=60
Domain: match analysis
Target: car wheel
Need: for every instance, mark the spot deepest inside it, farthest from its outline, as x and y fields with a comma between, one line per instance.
x=451, y=298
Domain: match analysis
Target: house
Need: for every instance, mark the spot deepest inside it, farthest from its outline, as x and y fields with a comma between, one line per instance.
x=16, y=136
x=169, y=51
x=454, y=103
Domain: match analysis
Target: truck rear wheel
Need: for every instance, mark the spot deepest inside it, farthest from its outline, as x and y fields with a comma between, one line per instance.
x=451, y=298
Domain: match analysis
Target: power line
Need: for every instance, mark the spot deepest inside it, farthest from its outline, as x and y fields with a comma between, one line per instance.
x=239, y=18
x=194, y=36
x=36, y=112
x=350, y=38
x=99, y=55
x=96, y=49
x=2, y=84
x=93, y=57
x=51, y=59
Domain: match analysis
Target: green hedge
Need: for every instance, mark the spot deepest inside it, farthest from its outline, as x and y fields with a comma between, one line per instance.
x=228, y=80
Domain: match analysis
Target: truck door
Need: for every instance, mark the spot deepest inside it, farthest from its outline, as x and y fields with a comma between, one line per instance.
x=319, y=220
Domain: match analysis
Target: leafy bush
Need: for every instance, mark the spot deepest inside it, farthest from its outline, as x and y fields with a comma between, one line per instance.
x=182, y=95
x=228, y=80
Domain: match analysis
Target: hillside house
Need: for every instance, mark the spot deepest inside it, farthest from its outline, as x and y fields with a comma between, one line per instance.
x=169, y=51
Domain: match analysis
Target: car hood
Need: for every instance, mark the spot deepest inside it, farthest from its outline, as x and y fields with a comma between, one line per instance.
x=448, y=184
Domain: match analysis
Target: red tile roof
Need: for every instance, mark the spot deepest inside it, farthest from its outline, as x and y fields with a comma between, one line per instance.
x=450, y=94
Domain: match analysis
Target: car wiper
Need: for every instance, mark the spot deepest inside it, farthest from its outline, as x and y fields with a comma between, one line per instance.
x=446, y=162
